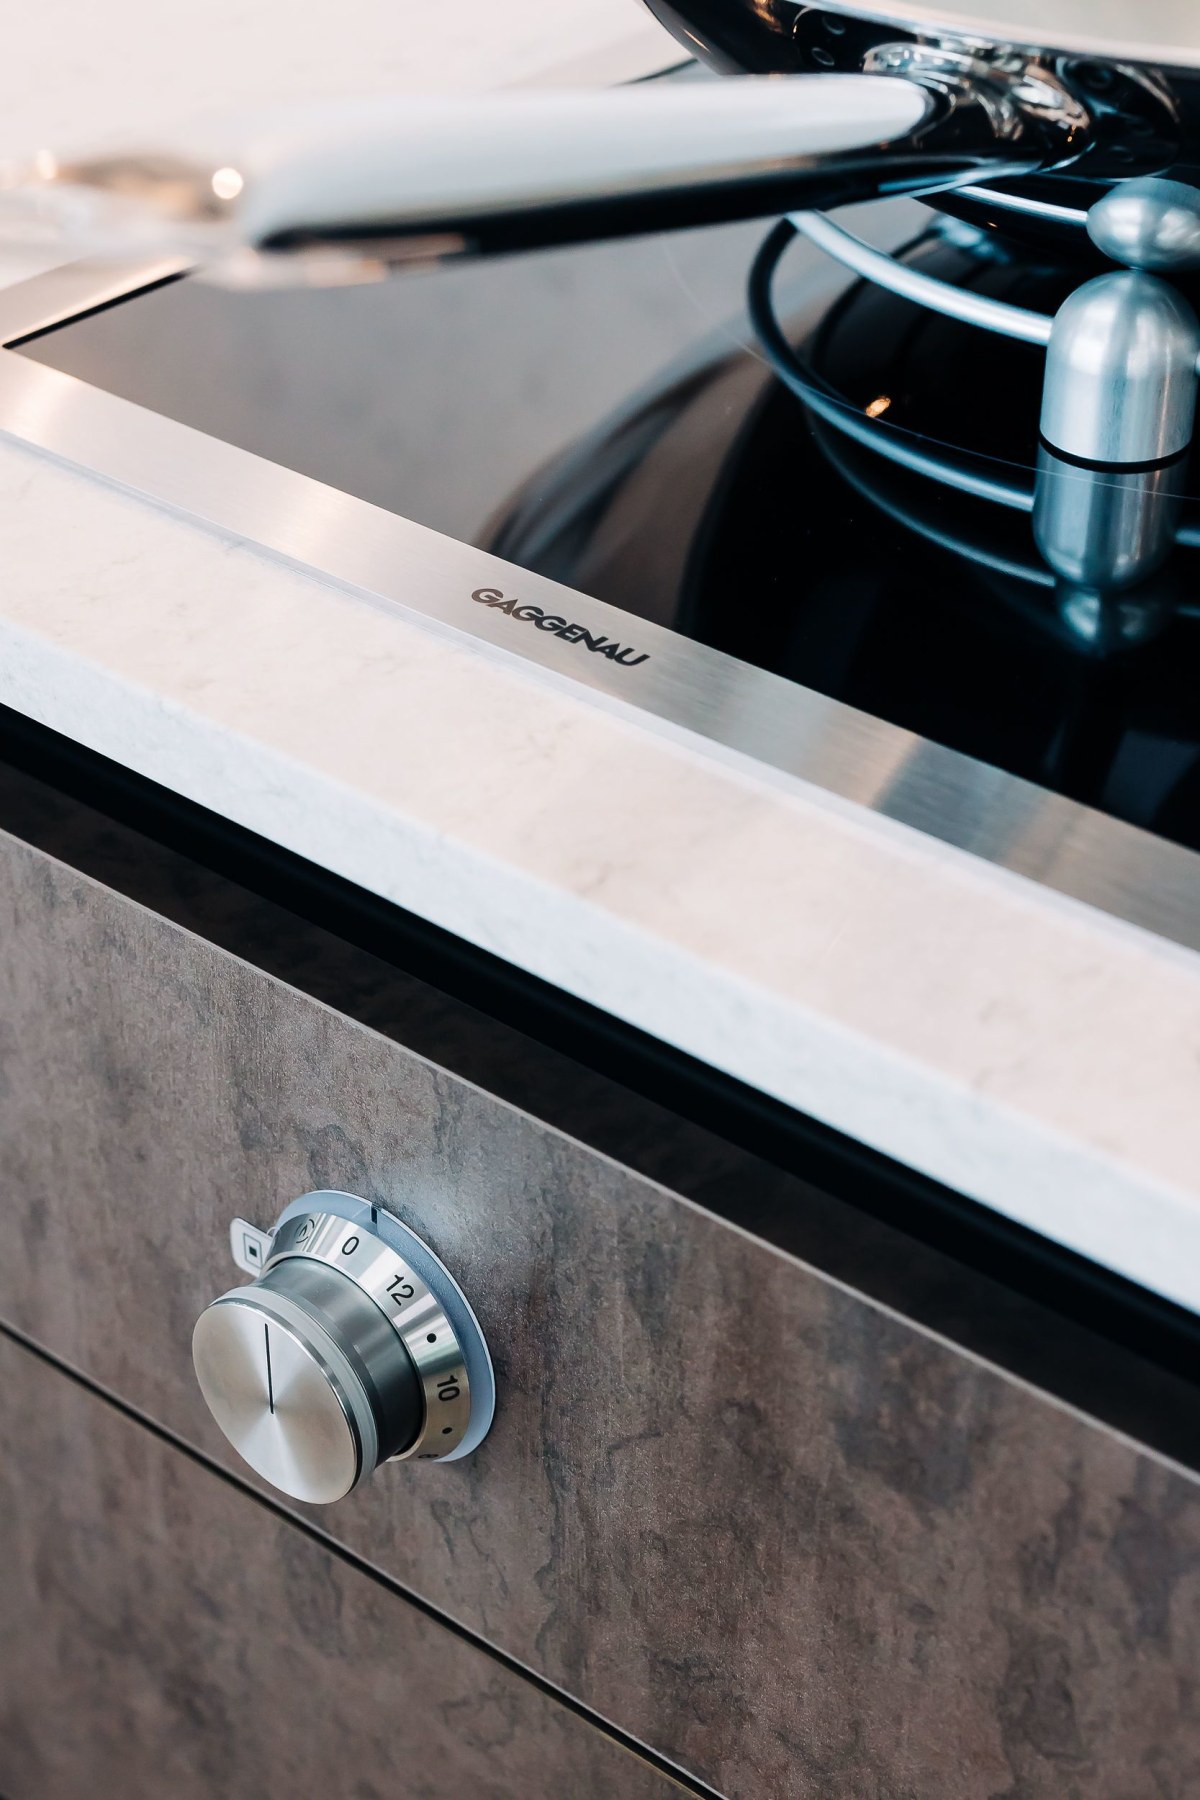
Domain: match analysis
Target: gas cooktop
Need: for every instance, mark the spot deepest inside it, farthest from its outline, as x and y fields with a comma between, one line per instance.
x=834, y=574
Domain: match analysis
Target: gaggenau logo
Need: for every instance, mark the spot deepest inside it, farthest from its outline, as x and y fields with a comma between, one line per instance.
x=561, y=627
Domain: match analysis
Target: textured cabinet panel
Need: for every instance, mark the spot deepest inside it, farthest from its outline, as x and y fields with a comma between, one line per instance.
x=801, y=1546
x=163, y=1634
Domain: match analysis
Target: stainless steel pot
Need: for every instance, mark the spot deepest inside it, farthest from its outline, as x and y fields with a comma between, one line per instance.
x=1045, y=102
x=1133, y=68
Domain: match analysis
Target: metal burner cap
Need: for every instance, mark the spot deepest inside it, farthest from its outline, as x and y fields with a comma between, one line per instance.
x=1151, y=224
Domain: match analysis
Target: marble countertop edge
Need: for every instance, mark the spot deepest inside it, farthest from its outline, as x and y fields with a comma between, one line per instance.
x=946, y=1127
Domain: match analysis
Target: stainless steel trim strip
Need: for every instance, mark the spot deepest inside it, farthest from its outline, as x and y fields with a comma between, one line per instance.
x=685, y=690
x=39, y=304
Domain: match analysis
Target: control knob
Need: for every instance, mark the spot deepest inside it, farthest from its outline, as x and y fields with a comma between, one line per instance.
x=353, y=1346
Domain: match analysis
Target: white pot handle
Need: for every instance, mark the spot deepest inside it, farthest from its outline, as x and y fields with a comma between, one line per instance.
x=356, y=186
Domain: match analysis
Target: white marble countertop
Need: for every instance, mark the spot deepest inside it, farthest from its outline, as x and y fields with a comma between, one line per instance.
x=1038, y=1056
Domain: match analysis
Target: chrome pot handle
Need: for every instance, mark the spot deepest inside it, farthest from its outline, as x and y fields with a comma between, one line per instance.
x=345, y=191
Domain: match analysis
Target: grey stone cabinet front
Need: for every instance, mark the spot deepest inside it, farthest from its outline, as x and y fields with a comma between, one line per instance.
x=792, y=1541
x=162, y=1636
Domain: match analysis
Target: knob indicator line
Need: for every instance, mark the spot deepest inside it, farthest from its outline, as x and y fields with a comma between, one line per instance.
x=270, y=1384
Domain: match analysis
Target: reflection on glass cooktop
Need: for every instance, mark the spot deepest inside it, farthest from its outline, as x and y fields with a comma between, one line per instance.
x=434, y=394
x=601, y=416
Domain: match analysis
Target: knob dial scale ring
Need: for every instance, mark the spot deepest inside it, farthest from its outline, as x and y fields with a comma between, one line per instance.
x=353, y=1346
x=414, y=1312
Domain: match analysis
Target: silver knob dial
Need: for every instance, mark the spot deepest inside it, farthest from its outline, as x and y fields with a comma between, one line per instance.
x=351, y=1348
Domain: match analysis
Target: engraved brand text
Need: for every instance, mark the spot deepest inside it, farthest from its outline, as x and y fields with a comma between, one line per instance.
x=563, y=628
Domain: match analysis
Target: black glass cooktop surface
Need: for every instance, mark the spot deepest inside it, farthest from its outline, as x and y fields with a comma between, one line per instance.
x=604, y=417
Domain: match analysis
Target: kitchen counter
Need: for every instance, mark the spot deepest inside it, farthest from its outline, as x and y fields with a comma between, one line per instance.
x=1037, y=1055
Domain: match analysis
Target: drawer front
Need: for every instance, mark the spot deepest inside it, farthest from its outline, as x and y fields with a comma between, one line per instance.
x=796, y=1544
x=163, y=1633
